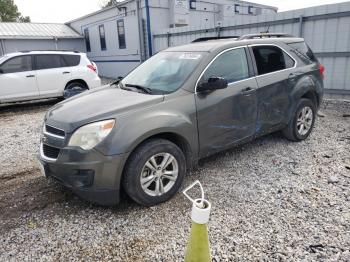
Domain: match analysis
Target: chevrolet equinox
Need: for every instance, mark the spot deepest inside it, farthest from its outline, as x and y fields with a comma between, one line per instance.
x=144, y=132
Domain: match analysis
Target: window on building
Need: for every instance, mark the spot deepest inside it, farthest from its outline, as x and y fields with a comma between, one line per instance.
x=250, y=10
x=101, y=29
x=271, y=58
x=87, y=40
x=17, y=64
x=48, y=61
x=121, y=34
x=237, y=8
x=231, y=65
x=193, y=4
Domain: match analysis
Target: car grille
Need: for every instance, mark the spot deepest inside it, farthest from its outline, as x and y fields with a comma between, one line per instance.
x=54, y=131
x=51, y=152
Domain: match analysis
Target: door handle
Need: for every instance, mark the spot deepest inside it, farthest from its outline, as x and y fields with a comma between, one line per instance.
x=247, y=91
x=30, y=76
x=66, y=72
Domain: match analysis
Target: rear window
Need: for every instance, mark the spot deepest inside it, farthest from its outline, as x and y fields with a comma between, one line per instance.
x=303, y=51
x=48, y=61
x=71, y=60
x=270, y=59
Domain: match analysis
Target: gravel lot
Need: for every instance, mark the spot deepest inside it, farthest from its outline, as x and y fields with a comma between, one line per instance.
x=273, y=200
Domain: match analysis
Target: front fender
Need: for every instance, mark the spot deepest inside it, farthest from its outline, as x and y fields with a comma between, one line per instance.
x=176, y=117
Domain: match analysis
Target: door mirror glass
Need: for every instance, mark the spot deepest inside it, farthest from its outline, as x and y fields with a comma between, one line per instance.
x=212, y=84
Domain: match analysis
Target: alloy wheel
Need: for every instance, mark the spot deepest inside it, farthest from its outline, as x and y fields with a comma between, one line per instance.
x=304, y=121
x=159, y=174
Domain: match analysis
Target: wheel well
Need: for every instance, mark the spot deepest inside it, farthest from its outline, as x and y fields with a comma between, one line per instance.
x=177, y=140
x=80, y=81
x=312, y=96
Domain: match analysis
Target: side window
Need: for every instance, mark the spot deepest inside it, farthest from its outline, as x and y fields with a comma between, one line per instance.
x=17, y=64
x=87, y=40
x=48, y=61
x=304, y=52
x=231, y=65
x=101, y=30
x=271, y=59
x=71, y=60
x=288, y=60
x=121, y=34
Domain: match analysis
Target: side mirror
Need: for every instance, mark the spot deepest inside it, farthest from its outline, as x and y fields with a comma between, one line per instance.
x=1, y=71
x=212, y=84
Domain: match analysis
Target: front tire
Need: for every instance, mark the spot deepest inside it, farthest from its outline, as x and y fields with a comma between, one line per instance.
x=154, y=172
x=300, y=127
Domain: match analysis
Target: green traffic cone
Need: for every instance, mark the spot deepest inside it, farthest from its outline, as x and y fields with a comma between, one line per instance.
x=198, y=248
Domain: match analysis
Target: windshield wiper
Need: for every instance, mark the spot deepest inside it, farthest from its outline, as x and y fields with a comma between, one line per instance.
x=117, y=82
x=142, y=88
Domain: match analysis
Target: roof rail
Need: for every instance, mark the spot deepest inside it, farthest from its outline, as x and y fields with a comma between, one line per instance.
x=28, y=51
x=203, y=39
x=264, y=35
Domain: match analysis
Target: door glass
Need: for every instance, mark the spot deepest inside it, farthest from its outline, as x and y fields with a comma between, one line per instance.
x=71, y=60
x=48, y=61
x=231, y=65
x=17, y=64
x=269, y=59
x=288, y=60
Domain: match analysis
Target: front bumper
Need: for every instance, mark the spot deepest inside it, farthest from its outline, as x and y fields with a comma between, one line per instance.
x=89, y=174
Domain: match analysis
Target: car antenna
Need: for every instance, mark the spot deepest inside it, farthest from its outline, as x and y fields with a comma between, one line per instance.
x=267, y=30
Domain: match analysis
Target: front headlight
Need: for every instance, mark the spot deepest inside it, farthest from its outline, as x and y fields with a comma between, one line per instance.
x=88, y=136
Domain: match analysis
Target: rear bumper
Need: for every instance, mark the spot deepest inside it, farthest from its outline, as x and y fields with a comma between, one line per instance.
x=89, y=174
x=95, y=82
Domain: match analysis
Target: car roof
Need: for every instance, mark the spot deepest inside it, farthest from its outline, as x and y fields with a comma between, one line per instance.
x=212, y=45
x=42, y=53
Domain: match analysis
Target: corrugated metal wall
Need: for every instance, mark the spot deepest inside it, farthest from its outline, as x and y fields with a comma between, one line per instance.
x=325, y=28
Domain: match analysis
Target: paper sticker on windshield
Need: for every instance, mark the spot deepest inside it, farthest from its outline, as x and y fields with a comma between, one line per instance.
x=191, y=56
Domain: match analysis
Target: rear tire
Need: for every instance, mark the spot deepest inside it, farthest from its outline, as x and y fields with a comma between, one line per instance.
x=73, y=89
x=300, y=127
x=154, y=173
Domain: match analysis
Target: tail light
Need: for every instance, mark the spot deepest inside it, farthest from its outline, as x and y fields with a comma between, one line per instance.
x=322, y=69
x=92, y=67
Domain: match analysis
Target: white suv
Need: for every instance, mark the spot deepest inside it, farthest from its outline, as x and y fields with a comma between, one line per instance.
x=31, y=75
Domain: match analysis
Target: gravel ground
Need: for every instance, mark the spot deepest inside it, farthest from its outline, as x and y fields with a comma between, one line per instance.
x=273, y=200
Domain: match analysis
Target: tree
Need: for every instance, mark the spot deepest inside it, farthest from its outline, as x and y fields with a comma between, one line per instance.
x=107, y=3
x=9, y=12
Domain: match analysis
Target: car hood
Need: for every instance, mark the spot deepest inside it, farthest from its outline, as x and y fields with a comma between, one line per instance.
x=98, y=104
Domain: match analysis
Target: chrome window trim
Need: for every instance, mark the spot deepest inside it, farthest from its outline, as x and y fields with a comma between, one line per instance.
x=53, y=135
x=255, y=76
x=42, y=155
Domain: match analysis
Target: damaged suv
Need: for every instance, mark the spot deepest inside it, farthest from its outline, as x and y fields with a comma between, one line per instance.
x=142, y=133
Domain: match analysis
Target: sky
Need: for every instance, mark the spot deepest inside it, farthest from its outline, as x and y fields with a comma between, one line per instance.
x=61, y=11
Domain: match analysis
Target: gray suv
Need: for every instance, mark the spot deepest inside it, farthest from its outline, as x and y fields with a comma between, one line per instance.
x=143, y=133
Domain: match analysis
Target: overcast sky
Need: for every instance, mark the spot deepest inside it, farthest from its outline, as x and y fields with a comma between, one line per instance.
x=61, y=11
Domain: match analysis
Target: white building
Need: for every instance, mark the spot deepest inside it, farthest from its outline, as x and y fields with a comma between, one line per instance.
x=16, y=37
x=118, y=38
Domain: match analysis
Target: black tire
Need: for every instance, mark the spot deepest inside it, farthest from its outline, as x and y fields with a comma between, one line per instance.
x=135, y=169
x=291, y=132
x=73, y=89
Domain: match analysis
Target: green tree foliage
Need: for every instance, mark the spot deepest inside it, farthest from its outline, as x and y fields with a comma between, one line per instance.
x=9, y=12
x=107, y=3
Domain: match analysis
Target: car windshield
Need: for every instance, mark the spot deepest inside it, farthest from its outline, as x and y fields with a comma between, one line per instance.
x=163, y=73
